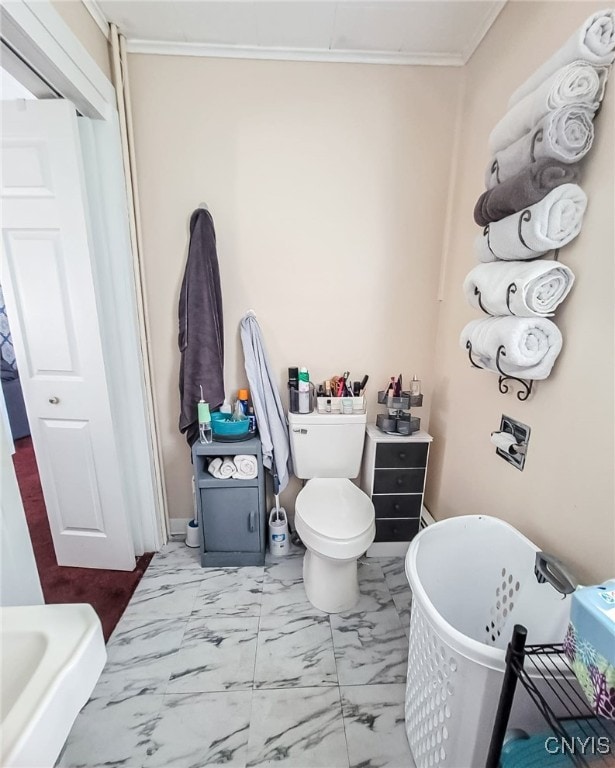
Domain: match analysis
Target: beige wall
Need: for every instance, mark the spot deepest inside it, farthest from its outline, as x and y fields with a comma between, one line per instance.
x=327, y=184
x=85, y=28
x=564, y=499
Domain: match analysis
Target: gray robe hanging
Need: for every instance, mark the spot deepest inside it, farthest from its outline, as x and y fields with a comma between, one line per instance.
x=201, y=331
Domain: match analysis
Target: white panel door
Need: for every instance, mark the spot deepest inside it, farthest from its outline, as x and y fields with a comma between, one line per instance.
x=49, y=292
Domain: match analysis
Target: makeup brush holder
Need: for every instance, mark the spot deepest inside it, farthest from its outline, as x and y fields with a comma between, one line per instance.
x=398, y=419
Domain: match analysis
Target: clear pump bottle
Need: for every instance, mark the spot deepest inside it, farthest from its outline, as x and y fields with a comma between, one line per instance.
x=204, y=416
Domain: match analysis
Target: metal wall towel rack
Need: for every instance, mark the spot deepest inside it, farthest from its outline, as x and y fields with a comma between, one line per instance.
x=526, y=385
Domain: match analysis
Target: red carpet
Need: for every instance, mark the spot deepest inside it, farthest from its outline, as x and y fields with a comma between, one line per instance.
x=107, y=591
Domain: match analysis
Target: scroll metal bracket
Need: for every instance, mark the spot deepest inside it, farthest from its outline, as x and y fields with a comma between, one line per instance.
x=526, y=385
x=480, y=301
x=469, y=348
x=504, y=378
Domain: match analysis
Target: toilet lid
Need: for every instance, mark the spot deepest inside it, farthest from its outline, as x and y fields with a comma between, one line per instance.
x=335, y=508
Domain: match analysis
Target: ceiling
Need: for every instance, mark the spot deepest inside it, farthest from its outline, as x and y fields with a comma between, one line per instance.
x=398, y=32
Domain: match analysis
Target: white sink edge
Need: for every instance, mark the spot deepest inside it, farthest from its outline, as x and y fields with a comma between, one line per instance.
x=35, y=729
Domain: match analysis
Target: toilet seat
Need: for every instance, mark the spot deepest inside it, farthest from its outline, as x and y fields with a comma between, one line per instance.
x=335, y=518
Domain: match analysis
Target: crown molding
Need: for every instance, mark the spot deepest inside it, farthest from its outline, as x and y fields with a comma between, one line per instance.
x=491, y=15
x=163, y=48
x=97, y=14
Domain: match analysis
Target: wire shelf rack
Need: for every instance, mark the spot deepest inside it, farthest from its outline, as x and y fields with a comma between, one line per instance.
x=580, y=738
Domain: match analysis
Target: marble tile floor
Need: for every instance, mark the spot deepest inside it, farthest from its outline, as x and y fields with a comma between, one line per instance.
x=234, y=667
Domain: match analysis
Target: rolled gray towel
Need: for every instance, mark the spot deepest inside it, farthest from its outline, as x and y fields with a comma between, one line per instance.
x=566, y=134
x=526, y=188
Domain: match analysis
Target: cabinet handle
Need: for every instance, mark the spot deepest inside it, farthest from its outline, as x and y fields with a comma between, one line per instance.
x=252, y=521
x=396, y=507
x=402, y=455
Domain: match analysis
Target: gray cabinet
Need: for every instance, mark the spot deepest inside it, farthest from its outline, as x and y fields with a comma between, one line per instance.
x=232, y=515
x=393, y=476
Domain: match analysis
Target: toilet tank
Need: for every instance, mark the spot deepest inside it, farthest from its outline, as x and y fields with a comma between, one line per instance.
x=326, y=444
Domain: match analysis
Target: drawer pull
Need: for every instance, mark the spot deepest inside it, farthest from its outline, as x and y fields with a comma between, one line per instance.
x=252, y=521
x=396, y=507
x=400, y=481
x=402, y=455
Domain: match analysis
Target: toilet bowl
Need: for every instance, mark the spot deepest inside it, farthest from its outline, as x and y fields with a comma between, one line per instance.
x=336, y=522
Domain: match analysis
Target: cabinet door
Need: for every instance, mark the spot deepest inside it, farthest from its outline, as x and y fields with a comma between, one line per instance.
x=230, y=519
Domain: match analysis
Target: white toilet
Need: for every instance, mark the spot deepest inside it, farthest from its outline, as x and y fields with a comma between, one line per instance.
x=334, y=518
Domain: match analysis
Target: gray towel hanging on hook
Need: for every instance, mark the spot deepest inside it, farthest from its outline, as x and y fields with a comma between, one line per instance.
x=201, y=329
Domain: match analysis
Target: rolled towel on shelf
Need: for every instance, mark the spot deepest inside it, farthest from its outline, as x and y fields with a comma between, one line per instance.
x=221, y=468
x=593, y=41
x=543, y=227
x=565, y=134
x=530, y=345
x=528, y=187
x=524, y=289
x=578, y=83
x=246, y=467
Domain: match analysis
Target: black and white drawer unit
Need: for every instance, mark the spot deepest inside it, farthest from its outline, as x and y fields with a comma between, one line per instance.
x=393, y=476
x=231, y=512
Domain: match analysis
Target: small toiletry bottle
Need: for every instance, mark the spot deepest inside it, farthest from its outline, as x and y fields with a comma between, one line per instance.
x=304, y=391
x=415, y=386
x=293, y=378
x=252, y=418
x=238, y=414
x=390, y=396
x=243, y=397
x=205, y=434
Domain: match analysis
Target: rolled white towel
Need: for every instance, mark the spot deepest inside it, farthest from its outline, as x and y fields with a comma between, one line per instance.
x=531, y=345
x=542, y=227
x=520, y=288
x=565, y=134
x=228, y=467
x=246, y=467
x=221, y=468
x=214, y=467
x=593, y=41
x=577, y=83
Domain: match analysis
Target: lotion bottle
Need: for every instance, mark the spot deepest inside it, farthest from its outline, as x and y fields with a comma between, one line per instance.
x=304, y=391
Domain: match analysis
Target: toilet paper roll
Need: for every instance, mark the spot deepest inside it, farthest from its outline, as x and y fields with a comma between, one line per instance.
x=504, y=441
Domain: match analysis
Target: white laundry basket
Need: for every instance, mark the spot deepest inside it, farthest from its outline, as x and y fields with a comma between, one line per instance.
x=472, y=579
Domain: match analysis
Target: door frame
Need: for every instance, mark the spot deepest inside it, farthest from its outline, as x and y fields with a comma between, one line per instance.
x=35, y=31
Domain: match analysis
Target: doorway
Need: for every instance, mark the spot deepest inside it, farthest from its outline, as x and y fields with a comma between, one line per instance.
x=108, y=590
